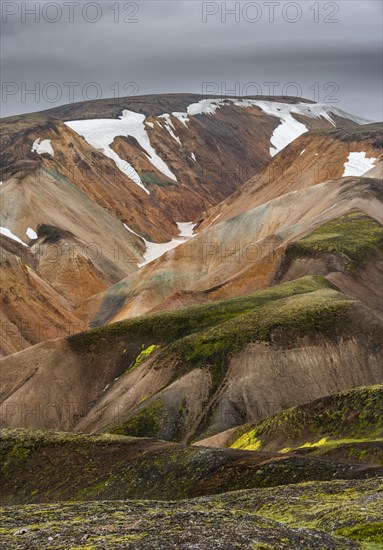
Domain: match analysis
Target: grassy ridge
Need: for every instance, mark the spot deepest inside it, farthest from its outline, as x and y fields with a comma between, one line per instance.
x=356, y=237
x=353, y=419
x=206, y=336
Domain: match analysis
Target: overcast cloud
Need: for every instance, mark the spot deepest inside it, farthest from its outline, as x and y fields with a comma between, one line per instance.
x=331, y=50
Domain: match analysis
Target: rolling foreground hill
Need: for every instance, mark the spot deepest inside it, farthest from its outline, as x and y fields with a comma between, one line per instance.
x=192, y=341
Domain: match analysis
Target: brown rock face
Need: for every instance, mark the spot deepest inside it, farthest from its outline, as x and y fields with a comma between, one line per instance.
x=31, y=309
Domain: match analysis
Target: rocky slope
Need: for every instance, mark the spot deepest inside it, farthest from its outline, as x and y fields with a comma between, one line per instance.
x=244, y=253
x=332, y=515
x=31, y=309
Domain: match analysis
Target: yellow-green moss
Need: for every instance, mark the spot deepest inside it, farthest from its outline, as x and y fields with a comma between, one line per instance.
x=355, y=237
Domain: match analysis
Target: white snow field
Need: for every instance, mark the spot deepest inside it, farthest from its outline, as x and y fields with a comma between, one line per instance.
x=155, y=250
x=44, y=146
x=358, y=164
x=100, y=134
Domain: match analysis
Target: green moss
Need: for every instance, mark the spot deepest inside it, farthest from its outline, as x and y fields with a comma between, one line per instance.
x=248, y=442
x=14, y=459
x=366, y=532
x=352, y=416
x=356, y=237
x=167, y=326
x=150, y=178
x=146, y=423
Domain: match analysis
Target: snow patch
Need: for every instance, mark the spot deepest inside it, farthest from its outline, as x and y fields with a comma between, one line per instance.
x=155, y=250
x=8, y=233
x=150, y=124
x=289, y=129
x=358, y=164
x=101, y=133
x=204, y=107
x=186, y=229
x=302, y=152
x=31, y=234
x=41, y=147
x=193, y=157
x=182, y=117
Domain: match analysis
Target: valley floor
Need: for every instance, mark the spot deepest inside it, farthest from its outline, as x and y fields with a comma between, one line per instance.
x=324, y=515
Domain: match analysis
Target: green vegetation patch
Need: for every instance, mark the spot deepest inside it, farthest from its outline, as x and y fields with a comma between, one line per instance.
x=366, y=532
x=356, y=237
x=150, y=178
x=144, y=354
x=146, y=423
x=355, y=415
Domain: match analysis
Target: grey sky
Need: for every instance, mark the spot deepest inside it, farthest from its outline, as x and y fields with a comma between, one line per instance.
x=171, y=49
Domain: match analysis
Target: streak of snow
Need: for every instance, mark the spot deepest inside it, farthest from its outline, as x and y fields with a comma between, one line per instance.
x=155, y=250
x=41, y=147
x=358, y=164
x=302, y=152
x=150, y=124
x=8, y=233
x=100, y=133
x=193, y=157
x=170, y=127
x=31, y=234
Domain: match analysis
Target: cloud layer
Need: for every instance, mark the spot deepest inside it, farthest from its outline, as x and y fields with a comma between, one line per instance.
x=52, y=53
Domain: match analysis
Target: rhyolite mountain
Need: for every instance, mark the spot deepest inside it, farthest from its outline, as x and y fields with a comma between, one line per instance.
x=93, y=189
x=191, y=306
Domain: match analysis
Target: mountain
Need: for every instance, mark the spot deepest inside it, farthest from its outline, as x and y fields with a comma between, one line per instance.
x=191, y=311
x=77, y=179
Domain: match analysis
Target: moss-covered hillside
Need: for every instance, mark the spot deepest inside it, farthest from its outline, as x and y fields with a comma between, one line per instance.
x=348, y=425
x=207, y=336
x=50, y=467
x=355, y=237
